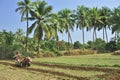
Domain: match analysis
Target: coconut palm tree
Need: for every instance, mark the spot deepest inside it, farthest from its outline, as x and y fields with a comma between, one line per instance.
x=115, y=20
x=95, y=21
x=19, y=34
x=66, y=22
x=40, y=16
x=82, y=19
x=7, y=40
x=19, y=37
x=105, y=12
x=24, y=7
x=55, y=24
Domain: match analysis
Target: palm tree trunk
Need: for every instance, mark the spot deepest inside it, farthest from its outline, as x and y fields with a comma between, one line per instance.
x=26, y=49
x=103, y=34
x=68, y=42
x=57, y=39
x=69, y=38
x=38, y=46
x=106, y=35
x=115, y=36
x=58, y=46
x=83, y=37
x=95, y=35
x=93, y=38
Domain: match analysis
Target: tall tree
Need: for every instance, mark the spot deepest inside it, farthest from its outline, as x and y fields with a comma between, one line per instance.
x=95, y=21
x=115, y=20
x=82, y=19
x=55, y=24
x=66, y=22
x=19, y=34
x=24, y=7
x=7, y=40
x=19, y=37
x=40, y=15
x=105, y=12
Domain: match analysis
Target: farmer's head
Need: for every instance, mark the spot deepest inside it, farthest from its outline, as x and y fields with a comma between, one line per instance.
x=16, y=52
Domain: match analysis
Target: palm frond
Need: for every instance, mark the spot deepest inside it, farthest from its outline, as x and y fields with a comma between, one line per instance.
x=27, y=1
x=32, y=27
x=21, y=3
x=19, y=8
x=48, y=9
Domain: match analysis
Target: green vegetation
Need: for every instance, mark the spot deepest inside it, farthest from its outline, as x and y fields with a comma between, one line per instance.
x=46, y=26
x=100, y=60
x=81, y=73
x=10, y=42
x=84, y=67
x=65, y=60
x=11, y=73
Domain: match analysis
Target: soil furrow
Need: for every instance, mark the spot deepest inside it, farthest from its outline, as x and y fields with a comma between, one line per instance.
x=78, y=67
x=59, y=73
x=47, y=71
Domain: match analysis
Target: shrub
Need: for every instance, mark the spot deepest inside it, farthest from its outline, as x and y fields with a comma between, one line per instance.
x=48, y=54
x=38, y=55
x=7, y=55
x=56, y=52
x=78, y=52
x=116, y=52
x=26, y=54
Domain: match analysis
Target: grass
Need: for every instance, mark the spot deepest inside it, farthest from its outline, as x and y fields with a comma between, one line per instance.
x=7, y=72
x=11, y=73
x=81, y=73
x=103, y=60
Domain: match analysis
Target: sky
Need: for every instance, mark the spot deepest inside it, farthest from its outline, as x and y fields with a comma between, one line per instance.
x=10, y=20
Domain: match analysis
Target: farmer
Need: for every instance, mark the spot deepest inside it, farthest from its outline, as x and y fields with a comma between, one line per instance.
x=22, y=61
x=17, y=56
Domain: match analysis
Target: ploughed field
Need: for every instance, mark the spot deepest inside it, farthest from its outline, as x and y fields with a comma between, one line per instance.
x=82, y=67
